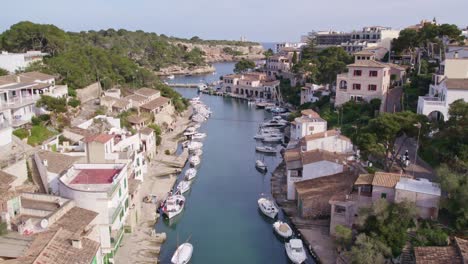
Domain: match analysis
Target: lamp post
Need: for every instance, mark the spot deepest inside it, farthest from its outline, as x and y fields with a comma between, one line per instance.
x=418, y=125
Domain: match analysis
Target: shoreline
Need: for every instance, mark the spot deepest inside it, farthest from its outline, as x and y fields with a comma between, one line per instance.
x=143, y=245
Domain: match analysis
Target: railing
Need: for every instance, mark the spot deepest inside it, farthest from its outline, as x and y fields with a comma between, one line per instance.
x=116, y=235
x=429, y=100
x=116, y=211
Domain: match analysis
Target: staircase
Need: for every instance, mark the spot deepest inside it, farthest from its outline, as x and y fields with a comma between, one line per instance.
x=407, y=256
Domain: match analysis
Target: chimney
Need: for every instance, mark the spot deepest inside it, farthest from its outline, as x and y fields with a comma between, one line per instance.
x=76, y=243
x=45, y=163
x=456, y=55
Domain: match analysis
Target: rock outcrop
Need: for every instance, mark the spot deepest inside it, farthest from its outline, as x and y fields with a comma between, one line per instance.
x=220, y=53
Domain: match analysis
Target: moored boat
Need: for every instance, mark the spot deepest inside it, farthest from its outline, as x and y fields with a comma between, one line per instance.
x=183, y=186
x=272, y=138
x=267, y=207
x=173, y=205
x=183, y=254
x=282, y=229
x=198, y=136
x=260, y=165
x=194, y=161
x=197, y=152
x=295, y=251
x=190, y=174
x=265, y=149
x=194, y=145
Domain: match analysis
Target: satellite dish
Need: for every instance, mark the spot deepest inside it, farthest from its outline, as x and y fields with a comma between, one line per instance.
x=44, y=223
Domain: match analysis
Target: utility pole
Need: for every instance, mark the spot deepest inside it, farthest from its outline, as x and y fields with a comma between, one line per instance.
x=418, y=125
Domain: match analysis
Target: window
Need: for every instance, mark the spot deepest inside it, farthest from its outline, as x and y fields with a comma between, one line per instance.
x=343, y=85
x=384, y=73
x=373, y=73
x=383, y=195
x=357, y=72
x=311, y=128
x=340, y=209
x=120, y=192
x=125, y=183
x=356, y=86
x=372, y=87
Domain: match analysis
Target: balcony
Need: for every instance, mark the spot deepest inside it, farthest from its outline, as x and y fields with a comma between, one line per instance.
x=17, y=102
x=116, y=236
x=114, y=213
x=427, y=105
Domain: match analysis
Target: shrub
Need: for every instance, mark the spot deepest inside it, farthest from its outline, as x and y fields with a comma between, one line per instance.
x=74, y=102
x=35, y=121
x=167, y=152
x=21, y=133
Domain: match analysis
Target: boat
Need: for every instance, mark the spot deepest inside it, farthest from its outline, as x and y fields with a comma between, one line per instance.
x=295, y=251
x=194, y=161
x=268, y=207
x=171, y=77
x=173, y=205
x=198, y=136
x=185, y=143
x=197, y=152
x=282, y=229
x=190, y=131
x=190, y=174
x=196, y=125
x=274, y=124
x=260, y=165
x=183, y=254
x=194, y=145
x=273, y=138
x=265, y=149
x=278, y=110
x=183, y=186
x=261, y=105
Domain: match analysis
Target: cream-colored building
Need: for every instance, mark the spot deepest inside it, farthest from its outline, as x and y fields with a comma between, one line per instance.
x=250, y=85
x=365, y=80
x=309, y=123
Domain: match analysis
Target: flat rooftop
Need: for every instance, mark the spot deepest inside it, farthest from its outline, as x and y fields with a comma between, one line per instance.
x=95, y=176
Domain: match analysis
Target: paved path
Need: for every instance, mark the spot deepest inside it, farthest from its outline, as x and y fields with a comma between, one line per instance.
x=421, y=169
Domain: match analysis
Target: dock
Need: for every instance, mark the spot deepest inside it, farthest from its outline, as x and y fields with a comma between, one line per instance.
x=185, y=85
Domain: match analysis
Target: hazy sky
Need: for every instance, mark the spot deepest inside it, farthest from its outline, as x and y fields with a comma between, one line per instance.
x=259, y=20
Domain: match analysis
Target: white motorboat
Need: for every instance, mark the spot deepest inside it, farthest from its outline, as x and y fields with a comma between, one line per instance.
x=196, y=126
x=183, y=186
x=190, y=131
x=198, y=136
x=171, y=77
x=195, y=99
x=262, y=135
x=260, y=165
x=282, y=229
x=278, y=110
x=183, y=254
x=173, y=205
x=194, y=145
x=194, y=161
x=295, y=250
x=185, y=143
x=265, y=149
x=273, y=138
x=197, y=152
x=190, y=174
x=268, y=207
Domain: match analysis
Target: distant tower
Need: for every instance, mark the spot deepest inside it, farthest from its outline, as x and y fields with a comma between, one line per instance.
x=243, y=39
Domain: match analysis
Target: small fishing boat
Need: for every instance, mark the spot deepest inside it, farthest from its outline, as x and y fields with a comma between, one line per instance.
x=185, y=143
x=278, y=110
x=197, y=152
x=190, y=174
x=198, y=136
x=295, y=251
x=194, y=161
x=265, y=149
x=183, y=186
x=196, y=126
x=273, y=138
x=190, y=131
x=282, y=229
x=194, y=145
x=267, y=207
x=171, y=77
x=183, y=254
x=173, y=205
x=260, y=165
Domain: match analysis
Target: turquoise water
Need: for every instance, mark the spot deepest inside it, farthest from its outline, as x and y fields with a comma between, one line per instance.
x=221, y=215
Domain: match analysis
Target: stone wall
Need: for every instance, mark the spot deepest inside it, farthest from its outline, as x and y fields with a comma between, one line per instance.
x=89, y=93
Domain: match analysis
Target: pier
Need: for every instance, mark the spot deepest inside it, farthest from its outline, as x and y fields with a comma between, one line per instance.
x=186, y=85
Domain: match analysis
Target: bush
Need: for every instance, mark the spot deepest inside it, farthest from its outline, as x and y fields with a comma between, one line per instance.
x=35, y=121
x=21, y=133
x=74, y=102
x=57, y=105
x=158, y=140
x=167, y=152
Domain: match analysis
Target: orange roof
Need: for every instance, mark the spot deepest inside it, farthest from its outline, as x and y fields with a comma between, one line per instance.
x=386, y=179
x=364, y=179
x=310, y=112
x=436, y=255
x=368, y=63
x=328, y=133
x=156, y=103
x=102, y=138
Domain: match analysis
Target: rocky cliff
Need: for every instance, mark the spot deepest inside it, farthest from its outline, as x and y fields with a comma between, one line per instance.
x=219, y=53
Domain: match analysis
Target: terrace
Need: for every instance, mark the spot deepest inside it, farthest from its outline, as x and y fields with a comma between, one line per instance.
x=94, y=177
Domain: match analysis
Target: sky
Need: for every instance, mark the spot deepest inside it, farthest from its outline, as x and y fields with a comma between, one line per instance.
x=257, y=20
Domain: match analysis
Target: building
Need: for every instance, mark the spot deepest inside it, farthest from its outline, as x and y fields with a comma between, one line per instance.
x=456, y=51
x=14, y=62
x=280, y=46
x=156, y=106
x=309, y=92
x=356, y=46
x=308, y=124
x=19, y=94
x=382, y=36
x=250, y=85
x=449, y=85
x=329, y=38
x=383, y=185
x=423, y=193
x=330, y=140
x=102, y=188
x=365, y=80
x=455, y=253
x=301, y=166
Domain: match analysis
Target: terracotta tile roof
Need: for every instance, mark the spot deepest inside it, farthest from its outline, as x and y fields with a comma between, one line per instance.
x=364, y=179
x=6, y=179
x=386, y=179
x=156, y=103
x=437, y=255
x=328, y=133
x=33, y=76
x=7, y=79
x=56, y=162
x=135, y=98
x=101, y=138
x=310, y=112
x=146, y=131
x=292, y=154
x=79, y=131
x=134, y=119
x=147, y=92
x=108, y=99
x=364, y=52
x=461, y=84
x=368, y=63
x=462, y=246
x=313, y=156
x=121, y=103
x=76, y=220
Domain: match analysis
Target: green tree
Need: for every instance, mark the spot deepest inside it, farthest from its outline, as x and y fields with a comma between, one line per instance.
x=294, y=58
x=344, y=236
x=332, y=61
x=243, y=65
x=268, y=53
x=368, y=250
x=57, y=105
x=3, y=72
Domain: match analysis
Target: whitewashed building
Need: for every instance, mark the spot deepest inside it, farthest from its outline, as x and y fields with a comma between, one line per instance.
x=424, y=193
x=13, y=62
x=309, y=90
x=308, y=124
x=330, y=140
